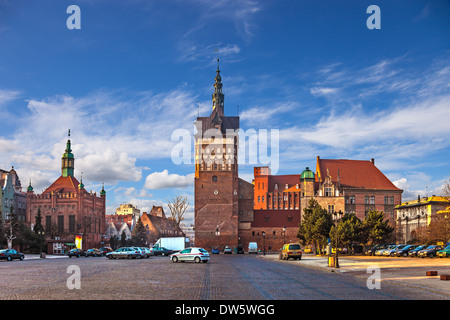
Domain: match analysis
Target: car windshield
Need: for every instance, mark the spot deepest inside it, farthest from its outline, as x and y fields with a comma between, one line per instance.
x=203, y=250
x=447, y=248
x=294, y=247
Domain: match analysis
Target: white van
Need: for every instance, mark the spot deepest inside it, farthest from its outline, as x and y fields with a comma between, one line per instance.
x=252, y=247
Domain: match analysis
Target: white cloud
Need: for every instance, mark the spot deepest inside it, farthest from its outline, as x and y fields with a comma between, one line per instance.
x=162, y=180
x=322, y=91
x=259, y=114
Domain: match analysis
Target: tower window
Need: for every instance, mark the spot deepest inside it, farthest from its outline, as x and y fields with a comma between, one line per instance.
x=214, y=178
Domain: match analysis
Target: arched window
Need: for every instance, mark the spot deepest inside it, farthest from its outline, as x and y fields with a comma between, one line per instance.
x=214, y=178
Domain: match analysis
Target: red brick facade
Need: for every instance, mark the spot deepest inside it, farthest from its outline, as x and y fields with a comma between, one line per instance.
x=230, y=211
x=67, y=210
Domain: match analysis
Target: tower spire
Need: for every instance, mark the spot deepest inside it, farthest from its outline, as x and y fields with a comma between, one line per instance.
x=218, y=97
x=68, y=160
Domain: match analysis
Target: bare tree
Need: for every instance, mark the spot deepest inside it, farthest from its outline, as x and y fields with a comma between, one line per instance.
x=446, y=189
x=177, y=207
x=11, y=228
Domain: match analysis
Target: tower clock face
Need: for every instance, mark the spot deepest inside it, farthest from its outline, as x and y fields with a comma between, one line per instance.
x=216, y=192
x=235, y=192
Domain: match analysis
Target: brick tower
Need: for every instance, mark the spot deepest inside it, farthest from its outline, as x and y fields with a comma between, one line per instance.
x=216, y=175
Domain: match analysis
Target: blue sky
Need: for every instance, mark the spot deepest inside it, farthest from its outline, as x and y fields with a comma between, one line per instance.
x=138, y=70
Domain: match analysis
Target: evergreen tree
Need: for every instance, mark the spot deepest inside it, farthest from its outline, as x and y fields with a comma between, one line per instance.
x=375, y=228
x=316, y=225
x=123, y=240
x=349, y=230
x=139, y=234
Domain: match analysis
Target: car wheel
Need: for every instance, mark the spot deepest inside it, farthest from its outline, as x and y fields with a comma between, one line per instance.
x=110, y=257
x=21, y=258
x=9, y=258
x=205, y=261
x=197, y=259
x=174, y=259
x=431, y=255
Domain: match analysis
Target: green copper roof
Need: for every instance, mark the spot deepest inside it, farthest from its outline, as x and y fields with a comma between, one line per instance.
x=307, y=174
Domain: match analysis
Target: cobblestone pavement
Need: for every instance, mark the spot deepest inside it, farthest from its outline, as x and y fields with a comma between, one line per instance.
x=230, y=277
x=410, y=272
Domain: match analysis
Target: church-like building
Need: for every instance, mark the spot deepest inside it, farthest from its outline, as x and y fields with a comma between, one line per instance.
x=68, y=210
x=230, y=211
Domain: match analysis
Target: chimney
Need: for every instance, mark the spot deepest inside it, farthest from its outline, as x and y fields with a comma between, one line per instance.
x=418, y=198
x=373, y=161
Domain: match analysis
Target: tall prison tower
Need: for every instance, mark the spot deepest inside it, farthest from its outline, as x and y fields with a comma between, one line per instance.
x=216, y=175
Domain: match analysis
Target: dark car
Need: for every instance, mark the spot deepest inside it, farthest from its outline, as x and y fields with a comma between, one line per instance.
x=430, y=251
x=404, y=251
x=93, y=253
x=105, y=250
x=413, y=253
x=76, y=253
x=11, y=254
x=161, y=251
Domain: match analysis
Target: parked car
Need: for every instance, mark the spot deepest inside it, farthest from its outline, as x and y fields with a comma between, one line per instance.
x=191, y=254
x=379, y=252
x=444, y=252
x=215, y=250
x=93, y=252
x=11, y=254
x=240, y=249
x=161, y=251
x=105, y=250
x=404, y=251
x=227, y=250
x=252, y=247
x=290, y=250
x=76, y=253
x=139, y=251
x=376, y=247
x=146, y=251
x=391, y=252
x=124, y=252
x=430, y=251
x=413, y=253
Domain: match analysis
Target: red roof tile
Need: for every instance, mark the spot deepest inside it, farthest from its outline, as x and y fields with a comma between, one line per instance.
x=63, y=184
x=354, y=174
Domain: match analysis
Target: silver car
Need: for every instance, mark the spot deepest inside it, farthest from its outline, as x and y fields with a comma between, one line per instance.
x=191, y=254
x=124, y=252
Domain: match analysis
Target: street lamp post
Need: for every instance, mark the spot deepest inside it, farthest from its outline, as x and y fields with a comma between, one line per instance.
x=336, y=257
x=284, y=235
x=41, y=234
x=264, y=239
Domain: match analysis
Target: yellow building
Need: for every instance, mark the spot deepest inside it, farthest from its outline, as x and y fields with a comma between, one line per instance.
x=125, y=209
x=418, y=213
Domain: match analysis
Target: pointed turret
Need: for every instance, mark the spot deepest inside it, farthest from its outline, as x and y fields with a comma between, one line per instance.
x=68, y=160
x=218, y=97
